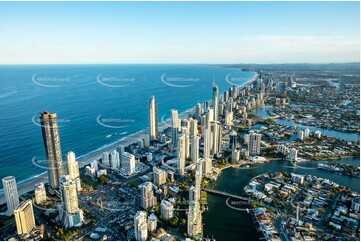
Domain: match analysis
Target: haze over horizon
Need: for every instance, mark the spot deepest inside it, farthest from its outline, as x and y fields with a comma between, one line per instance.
x=179, y=32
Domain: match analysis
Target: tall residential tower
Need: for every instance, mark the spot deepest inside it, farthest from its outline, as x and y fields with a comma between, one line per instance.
x=11, y=193
x=153, y=119
x=51, y=139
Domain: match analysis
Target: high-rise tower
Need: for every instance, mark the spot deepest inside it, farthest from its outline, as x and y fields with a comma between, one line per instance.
x=51, y=139
x=215, y=102
x=153, y=119
x=11, y=193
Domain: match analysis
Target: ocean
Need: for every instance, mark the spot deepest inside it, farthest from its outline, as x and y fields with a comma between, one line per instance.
x=97, y=105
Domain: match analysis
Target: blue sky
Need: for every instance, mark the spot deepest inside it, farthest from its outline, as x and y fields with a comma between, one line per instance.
x=179, y=32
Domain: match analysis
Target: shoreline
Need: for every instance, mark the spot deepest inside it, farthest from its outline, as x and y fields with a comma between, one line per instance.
x=27, y=185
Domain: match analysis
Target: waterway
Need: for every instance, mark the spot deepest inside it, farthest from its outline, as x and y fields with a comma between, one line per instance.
x=355, y=136
x=224, y=223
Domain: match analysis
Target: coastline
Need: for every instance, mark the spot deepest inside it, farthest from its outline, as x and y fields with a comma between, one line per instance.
x=27, y=185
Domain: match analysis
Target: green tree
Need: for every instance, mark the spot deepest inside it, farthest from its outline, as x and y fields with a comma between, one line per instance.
x=103, y=179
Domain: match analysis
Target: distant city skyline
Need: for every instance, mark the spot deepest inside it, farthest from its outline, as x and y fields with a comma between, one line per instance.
x=179, y=32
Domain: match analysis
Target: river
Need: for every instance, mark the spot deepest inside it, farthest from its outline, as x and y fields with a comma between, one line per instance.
x=224, y=223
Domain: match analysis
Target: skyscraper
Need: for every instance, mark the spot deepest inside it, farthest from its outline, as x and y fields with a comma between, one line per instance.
x=198, y=179
x=207, y=166
x=216, y=138
x=11, y=194
x=51, y=140
x=152, y=222
x=105, y=159
x=160, y=176
x=140, y=226
x=232, y=139
x=215, y=102
x=181, y=154
x=193, y=129
x=175, y=127
x=24, y=217
x=115, y=160
x=128, y=162
x=207, y=142
x=73, y=169
x=293, y=154
x=148, y=200
x=254, y=144
x=153, y=119
x=195, y=148
x=166, y=209
x=70, y=214
x=40, y=193
x=194, y=223
x=198, y=111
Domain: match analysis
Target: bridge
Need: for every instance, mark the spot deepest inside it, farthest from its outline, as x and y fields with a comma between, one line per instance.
x=225, y=194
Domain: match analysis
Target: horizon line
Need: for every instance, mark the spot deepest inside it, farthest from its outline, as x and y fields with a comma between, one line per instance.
x=132, y=63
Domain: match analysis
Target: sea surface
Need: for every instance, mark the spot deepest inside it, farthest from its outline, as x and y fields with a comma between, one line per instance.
x=97, y=105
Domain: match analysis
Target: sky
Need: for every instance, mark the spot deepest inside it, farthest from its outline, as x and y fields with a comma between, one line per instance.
x=179, y=32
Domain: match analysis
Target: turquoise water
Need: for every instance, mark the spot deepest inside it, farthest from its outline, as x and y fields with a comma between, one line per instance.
x=81, y=94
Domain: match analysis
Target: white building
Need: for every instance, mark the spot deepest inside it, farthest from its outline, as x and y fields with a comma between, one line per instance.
x=128, y=163
x=90, y=171
x=216, y=138
x=175, y=127
x=24, y=217
x=297, y=178
x=317, y=134
x=152, y=222
x=195, y=148
x=11, y=194
x=40, y=193
x=166, y=209
x=194, y=220
x=307, y=132
x=207, y=166
x=207, y=142
x=293, y=154
x=160, y=176
x=254, y=145
x=115, y=160
x=73, y=169
x=70, y=213
x=140, y=226
x=228, y=118
x=101, y=172
x=282, y=149
x=198, y=179
x=105, y=159
x=193, y=129
x=94, y=165
x=181, y=156
x=148, y=200
x=153, y=119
